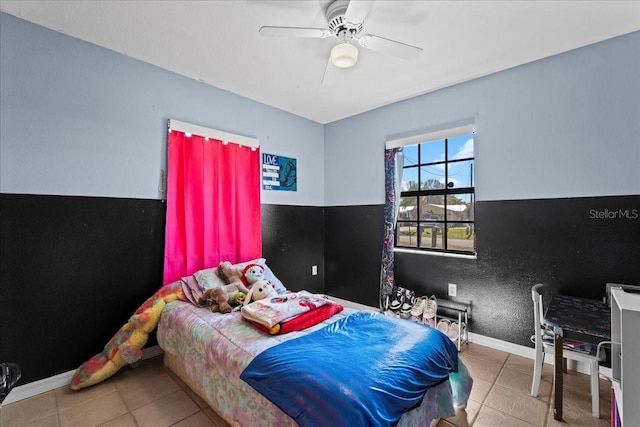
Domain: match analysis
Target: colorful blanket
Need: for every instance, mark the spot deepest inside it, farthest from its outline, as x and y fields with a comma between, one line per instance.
x=270, y=312
x=365, y=369
x=126, y=345
x=301, y=322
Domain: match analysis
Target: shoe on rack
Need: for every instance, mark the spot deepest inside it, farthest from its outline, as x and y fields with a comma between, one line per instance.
x=409, y=296
x=405, y=310
x=396, y=302
x=9, y=375
x=443, y=326
x=456, y=331
x=407, y=302
x=418, y=309
x=430, y=309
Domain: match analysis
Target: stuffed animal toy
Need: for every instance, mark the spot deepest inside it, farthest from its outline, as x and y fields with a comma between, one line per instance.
x=220, y=298
x=261, y=289
x=125, y=347
x=230, y=274
x=252, y=273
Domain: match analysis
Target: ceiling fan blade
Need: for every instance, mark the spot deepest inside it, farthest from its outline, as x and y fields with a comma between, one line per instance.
x=357, y=11
x=314, y=33
x=390, y=47
x=330, y=74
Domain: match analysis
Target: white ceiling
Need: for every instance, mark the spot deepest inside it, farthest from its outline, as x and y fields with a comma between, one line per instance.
x=217, y=42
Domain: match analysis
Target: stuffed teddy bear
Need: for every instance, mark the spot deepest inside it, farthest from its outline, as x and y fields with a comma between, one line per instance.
x=230, y=274
x=220, y=298
x=261, y=289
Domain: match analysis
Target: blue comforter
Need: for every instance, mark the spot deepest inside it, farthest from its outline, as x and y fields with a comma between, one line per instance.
x=364, y=370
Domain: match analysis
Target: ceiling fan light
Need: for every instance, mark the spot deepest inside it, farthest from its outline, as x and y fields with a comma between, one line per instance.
x=344, y=55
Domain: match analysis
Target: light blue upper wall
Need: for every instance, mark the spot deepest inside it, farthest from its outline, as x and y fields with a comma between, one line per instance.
x=564, y=126
x=78, y=119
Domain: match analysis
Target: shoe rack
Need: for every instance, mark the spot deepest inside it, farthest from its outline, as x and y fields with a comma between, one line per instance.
x=455, y=312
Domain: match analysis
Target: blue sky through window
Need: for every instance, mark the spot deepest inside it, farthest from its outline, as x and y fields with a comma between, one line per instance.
x=460, y=173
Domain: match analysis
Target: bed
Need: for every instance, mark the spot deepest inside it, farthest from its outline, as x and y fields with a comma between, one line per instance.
x=211, y=351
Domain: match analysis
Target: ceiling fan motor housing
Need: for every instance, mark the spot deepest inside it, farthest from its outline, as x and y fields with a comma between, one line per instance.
x=335, y=18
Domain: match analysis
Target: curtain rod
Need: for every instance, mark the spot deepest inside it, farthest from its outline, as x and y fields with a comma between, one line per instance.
x=213, y=133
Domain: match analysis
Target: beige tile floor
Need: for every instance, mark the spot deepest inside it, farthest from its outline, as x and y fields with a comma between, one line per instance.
x=150, y=395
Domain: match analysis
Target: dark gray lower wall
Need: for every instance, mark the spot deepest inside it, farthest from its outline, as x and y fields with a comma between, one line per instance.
x=353, y=251
x=292, y=242
x=74, y=269
x=574, y=245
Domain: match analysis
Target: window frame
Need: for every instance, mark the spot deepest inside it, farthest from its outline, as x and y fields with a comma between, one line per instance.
x=418, y=223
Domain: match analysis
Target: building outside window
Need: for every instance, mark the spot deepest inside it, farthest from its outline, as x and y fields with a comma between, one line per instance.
x=436, y=209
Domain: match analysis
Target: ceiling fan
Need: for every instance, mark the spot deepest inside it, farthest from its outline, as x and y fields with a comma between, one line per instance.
x=345, y=22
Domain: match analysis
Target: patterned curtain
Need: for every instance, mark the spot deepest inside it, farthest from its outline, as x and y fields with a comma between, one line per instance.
x=393, y=162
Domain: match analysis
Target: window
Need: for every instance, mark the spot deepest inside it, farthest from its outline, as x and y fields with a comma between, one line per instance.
x=436, y=209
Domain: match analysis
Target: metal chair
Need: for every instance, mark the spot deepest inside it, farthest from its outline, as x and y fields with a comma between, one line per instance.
x=9, y=375
x=543, y=340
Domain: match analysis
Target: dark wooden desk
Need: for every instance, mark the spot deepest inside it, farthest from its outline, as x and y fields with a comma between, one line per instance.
x=586, y=317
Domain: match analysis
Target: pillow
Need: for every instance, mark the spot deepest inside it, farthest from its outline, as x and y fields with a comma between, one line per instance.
x=192, y=289
x=268, y=274
x=208, y=278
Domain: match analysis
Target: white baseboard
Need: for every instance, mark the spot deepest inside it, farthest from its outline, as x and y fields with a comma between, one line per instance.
x=61, y=380
x=530, y=353
x=38, y=387
x=496, y=344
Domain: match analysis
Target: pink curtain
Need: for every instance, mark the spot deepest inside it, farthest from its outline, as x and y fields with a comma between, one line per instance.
x=213, y=204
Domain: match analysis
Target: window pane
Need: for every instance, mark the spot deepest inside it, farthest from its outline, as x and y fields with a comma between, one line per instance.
x=461, y=237
x=441, y=167
x=431, y=235
x=409, y=179
x=432, y=208
x=460, y=207
x=461, y=174
x=410, y=153
x=408, y=208
x=407, y=235
x=461, y=147
x=431, y=152
x=432, y=177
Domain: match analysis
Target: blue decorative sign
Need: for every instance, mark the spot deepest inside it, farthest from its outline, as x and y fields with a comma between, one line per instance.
x=279, y=173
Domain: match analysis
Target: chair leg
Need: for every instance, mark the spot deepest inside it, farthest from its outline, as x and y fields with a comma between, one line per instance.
x=595, y=390
x=537, y=374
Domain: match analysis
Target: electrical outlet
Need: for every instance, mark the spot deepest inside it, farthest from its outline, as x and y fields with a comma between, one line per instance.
x=314, y=270
x=453, y=289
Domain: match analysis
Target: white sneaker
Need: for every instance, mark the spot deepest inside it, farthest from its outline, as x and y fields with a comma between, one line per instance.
x=456, y=331
x=443, y=326
x=430, y=309
x=418, y=309
x=453, y=332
